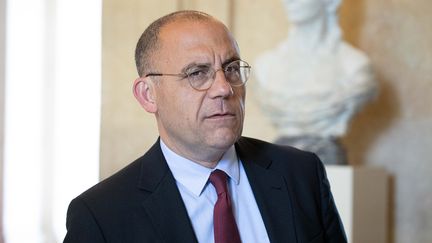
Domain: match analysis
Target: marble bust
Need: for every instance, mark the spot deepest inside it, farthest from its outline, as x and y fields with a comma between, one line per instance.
x=313, y=82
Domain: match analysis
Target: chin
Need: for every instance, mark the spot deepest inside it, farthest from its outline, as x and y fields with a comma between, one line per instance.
x=224, y=140
x=299, y=19
x=303, y=15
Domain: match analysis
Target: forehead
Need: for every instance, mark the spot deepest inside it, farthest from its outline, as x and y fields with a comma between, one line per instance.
x=203, y=39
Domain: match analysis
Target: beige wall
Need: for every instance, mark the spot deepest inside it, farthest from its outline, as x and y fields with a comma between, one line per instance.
x=395, y=131
x=126, y=130
x=2, y=102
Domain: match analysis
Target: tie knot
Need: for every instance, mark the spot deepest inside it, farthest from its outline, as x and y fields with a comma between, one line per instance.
x=218, y=179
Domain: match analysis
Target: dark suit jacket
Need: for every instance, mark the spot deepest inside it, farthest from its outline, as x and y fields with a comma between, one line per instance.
x=141, y=203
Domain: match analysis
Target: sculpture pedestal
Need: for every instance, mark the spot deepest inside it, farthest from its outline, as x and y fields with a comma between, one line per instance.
x=361, y=196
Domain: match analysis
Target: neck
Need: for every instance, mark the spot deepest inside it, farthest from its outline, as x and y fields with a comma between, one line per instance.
x=308, y=35
x=205, y=157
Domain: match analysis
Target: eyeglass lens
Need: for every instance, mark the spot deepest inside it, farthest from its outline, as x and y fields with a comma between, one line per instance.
x=236, y=73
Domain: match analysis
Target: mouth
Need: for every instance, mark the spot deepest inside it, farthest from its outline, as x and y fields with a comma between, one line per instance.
x=226, y=115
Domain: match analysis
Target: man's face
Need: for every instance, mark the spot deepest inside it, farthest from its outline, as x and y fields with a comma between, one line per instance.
x=199, y=125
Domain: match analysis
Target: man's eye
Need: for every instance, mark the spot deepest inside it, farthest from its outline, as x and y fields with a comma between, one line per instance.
x=232, y=69
x=199, y=73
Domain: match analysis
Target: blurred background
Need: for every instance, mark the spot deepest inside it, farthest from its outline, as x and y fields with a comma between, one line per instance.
x=68, y=116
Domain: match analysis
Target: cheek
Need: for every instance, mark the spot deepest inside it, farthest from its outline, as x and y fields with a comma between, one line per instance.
x=168, y=104
x=183, y=105
x=240, y=97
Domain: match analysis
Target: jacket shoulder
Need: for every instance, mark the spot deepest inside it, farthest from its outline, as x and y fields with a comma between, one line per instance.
x=279, y=155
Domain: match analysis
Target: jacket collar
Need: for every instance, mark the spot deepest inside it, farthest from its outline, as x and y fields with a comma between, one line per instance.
x=164, y=205
x=270, y=189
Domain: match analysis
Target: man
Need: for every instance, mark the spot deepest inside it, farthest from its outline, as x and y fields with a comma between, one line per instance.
x=202, y=181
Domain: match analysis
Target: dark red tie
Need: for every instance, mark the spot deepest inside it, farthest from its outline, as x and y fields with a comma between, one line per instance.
x=225, y=228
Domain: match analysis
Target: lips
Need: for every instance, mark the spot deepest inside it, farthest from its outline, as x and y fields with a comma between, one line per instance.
x=221, y=115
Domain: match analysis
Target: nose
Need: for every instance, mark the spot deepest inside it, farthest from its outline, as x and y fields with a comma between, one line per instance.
x=220, y=87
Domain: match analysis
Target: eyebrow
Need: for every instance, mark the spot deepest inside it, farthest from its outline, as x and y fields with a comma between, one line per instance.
x=230, y=60
x=193, y=65
x=196, y=64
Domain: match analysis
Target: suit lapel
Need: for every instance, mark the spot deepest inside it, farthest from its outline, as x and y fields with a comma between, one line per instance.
x=270, y=191
x=164, y=205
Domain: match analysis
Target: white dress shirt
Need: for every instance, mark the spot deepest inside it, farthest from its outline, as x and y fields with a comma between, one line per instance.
x=200, y=196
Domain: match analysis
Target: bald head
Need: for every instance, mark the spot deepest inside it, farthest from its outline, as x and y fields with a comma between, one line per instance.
x=149, y=42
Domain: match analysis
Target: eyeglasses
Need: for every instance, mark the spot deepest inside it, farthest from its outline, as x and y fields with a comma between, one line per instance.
x=201, y=77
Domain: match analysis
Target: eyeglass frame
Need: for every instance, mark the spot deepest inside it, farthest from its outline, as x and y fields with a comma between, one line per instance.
x=185, y=75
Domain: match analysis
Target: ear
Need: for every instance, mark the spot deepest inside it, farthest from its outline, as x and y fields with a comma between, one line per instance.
x=143, y=90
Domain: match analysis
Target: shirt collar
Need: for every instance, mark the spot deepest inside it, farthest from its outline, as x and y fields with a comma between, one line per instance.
x=194, y=176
